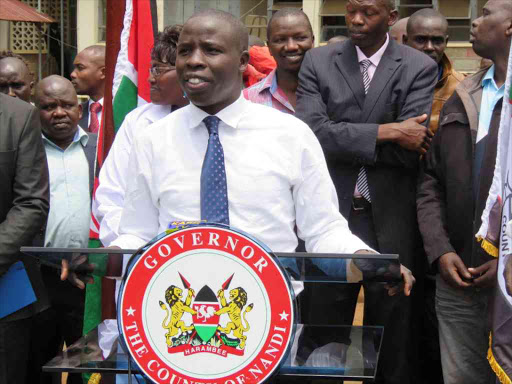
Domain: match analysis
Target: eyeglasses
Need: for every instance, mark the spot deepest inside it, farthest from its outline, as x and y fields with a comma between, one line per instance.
x=157, y=71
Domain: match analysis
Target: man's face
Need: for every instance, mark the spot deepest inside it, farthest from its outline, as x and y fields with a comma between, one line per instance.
x=89, y=73
x=489, y=32
x=165, y=89
x=59, y=112
x=210, y=63
x=15, y=78
x=428, y=35
x=290, y=38
x=368, y=22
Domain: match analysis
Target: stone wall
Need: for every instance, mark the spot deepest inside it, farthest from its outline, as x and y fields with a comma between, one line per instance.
x=464, y=58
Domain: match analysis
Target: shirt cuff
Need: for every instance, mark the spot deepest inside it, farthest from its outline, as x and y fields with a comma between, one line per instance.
x=127, y=241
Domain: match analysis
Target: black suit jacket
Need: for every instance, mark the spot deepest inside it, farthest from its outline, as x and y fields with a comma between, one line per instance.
x=84, y=121
x=331, y=100
x=24, y=200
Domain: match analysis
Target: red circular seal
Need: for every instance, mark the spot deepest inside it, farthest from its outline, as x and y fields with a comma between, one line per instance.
x=206, y=304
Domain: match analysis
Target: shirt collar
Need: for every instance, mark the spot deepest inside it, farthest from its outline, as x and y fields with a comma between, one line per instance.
x=269, y=82
x=91, y=101
x=488, y=79
x=230, y=115
x=156, y=112
x=80, y=136
x=376, y=57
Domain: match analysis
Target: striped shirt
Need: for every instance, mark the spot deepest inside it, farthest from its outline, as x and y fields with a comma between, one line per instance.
x=268, y=93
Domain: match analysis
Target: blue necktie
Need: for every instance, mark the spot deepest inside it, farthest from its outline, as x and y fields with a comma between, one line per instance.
x=214, y=189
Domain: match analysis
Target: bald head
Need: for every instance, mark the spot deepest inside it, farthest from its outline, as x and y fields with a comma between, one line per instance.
x=427, y=16
x=88, y=77
x=398, y=30
x=54, y=84
x=239, y=31
x=15, y=78
x=59, y=110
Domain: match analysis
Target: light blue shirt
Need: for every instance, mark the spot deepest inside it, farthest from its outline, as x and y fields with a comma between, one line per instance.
x=70, y=202
x=490, y=97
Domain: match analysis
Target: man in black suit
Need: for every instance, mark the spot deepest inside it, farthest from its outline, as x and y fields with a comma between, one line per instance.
x=368, y=100
x=24, y=205
x=88, y=78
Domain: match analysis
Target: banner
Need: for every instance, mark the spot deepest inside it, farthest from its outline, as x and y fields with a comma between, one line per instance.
x=497, y=242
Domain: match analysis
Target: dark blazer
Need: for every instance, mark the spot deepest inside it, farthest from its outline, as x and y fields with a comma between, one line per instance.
x=24, y=200
x=449, y=206
x=84, y=121
x=331, y=100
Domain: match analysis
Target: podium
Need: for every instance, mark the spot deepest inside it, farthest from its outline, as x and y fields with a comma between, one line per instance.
x=339, y=352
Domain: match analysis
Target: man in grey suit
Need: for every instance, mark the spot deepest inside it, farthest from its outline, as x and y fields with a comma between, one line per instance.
x=368, y=101
x=24, y=205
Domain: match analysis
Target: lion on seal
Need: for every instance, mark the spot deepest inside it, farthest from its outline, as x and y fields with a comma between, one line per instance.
x=173, y=295
x=233, y=309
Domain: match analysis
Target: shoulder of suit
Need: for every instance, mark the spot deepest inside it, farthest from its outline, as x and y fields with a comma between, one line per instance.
x=14, y=106
x=411, y=54
x=93, y=139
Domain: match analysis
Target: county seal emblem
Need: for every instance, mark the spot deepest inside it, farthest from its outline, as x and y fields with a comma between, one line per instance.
x=206, y=304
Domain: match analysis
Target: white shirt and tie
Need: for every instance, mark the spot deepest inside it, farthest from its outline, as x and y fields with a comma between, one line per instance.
x=277, y=178
x=368, y=66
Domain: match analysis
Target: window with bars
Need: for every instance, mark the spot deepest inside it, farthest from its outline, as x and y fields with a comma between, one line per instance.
x=25, y=37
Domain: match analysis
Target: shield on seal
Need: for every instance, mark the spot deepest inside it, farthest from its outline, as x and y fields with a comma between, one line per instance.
x=205, y=320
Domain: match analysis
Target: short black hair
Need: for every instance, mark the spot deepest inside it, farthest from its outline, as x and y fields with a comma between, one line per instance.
x=166, y=42
x=426, y=13
x=239, y=29
x=390, y=4
x=288, y=12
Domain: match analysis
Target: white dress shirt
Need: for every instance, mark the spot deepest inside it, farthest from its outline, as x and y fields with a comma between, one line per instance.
x=115, y=173
x=276, y=172
x=70, y=212
x=100, y=113
x=375, y=59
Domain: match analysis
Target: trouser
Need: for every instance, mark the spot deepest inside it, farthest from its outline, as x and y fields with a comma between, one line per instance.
x=464, y=328
x=398, y=355
x=62, y=323
x=14, y=350
x=429, y=352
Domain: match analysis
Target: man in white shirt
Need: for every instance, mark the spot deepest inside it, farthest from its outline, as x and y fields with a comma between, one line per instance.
x=166, y=96
x=271, y=166
x=88, y=78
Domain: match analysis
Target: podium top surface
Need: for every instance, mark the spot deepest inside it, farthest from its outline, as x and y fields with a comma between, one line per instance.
x=301, y=266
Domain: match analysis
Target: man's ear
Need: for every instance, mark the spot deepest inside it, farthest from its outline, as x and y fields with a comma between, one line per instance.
x=102, y=69
x=244, y=61
x=446, y=39
x=508, y=32
x=393, y=18
x=405, y=38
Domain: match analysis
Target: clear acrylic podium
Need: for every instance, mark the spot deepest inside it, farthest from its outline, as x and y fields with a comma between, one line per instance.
x=337, y=352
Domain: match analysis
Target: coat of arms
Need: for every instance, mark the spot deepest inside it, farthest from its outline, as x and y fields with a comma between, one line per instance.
x=206, y=309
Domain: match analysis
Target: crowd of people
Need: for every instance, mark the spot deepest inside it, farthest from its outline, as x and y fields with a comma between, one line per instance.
x=373, y=143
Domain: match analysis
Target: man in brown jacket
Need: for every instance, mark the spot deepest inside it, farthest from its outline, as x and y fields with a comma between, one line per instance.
x=452, y=191
x=427, y=31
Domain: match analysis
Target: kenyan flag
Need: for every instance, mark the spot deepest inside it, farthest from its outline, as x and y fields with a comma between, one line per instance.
x=205, y=321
